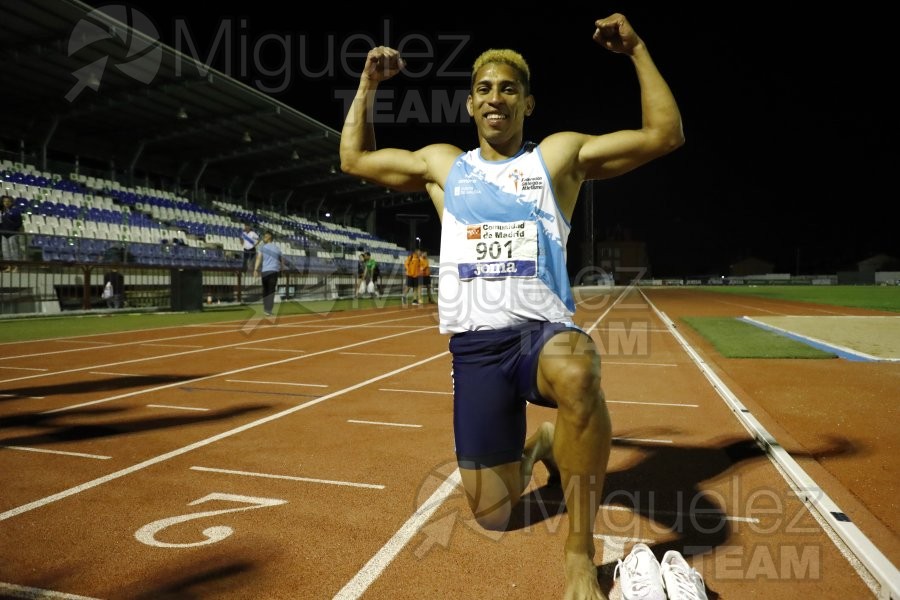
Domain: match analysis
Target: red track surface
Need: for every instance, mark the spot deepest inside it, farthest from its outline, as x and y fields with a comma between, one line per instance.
x=307, y=459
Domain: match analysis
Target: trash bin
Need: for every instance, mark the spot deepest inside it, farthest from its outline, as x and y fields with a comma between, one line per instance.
x=186, y=289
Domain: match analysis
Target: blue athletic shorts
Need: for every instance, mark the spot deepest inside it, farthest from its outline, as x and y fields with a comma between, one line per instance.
x=494, y=375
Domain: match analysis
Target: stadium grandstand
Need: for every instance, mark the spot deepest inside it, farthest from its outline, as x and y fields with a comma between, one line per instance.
x=121, y=151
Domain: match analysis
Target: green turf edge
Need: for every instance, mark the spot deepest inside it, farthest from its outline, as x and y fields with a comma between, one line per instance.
x=874, y=297
x=41, y=327
x=734, y=338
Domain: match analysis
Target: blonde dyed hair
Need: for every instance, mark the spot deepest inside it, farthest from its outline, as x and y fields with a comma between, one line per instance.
x=504, y=56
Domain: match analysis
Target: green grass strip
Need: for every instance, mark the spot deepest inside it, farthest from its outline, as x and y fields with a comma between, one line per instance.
x=41, y=327
x=734, y=338
x=875, y=297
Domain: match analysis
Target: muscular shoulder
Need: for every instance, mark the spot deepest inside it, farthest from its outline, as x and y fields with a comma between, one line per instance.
x=439, y=158
x=560, y=151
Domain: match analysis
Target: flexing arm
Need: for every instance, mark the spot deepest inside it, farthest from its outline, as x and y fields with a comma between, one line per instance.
x=612, y=154
x=405, y=170
x=399, y=169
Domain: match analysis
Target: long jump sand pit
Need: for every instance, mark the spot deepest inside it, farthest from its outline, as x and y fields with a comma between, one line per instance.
x=872, y=338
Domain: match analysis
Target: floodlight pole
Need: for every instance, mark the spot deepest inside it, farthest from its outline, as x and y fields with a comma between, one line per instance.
x=412, y=219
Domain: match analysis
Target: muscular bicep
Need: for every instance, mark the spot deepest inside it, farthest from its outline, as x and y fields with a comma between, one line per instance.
x=612, y=154
x=405, y=170
x=392, y=167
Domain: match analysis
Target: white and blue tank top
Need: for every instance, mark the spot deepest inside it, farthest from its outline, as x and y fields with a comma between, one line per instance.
x=503, y=245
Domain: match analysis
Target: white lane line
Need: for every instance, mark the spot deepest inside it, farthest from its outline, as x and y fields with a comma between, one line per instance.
x=371, y=486
x=194, y=408
x=694, y=516
x=25, y=368
x=234, y=372
x=117, y=374
x=21, y=396
x=45, y=451
x=121, y=344
x=639, y=364
x=643, y=440
x=675, y=404
x=79, y=341
x=606, y=312
x=629, y=330
x=382, y=423
x=319, y=385
x=360, y=582
x=173, y=345
x=868, y=554
x=414, y=391
x=32, y=593
x=706, y=515
x=270, y=349
x=201, y=350
x=377, y=354
x=210, y=440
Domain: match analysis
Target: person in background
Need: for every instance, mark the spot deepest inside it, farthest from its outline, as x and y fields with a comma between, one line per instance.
x=376, y=279
x=249, y=242
x=10, y=232
x=117, y=282
x=369, y=276
x=424, y=277
x=269, y=264
x=504, y=296
x=360, y=274
x=411, y=283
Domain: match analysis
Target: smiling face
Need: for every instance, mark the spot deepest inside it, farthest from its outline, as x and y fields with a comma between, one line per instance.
x=499, y=103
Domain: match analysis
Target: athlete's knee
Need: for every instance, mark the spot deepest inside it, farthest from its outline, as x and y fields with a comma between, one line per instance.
x=492, y=493
x=576, y=387
x=495, y=520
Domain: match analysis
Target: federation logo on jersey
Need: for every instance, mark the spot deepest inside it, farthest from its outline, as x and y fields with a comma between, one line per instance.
x=516, y=176
x=473, y=232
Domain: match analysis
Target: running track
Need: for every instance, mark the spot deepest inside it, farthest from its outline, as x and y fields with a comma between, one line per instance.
x=312, y=458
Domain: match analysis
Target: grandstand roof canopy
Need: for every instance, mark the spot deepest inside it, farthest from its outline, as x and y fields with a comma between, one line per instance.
x=102, y=87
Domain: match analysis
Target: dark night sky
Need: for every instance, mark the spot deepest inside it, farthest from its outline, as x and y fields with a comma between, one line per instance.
x=788, y=114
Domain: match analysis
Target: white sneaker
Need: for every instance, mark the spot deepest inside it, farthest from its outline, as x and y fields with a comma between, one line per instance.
x=640, y=576
x=682, y=581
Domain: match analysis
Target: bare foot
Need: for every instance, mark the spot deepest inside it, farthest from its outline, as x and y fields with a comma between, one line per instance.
x=581, y=579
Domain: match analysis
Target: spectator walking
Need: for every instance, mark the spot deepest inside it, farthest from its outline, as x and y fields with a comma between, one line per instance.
x=269, y=264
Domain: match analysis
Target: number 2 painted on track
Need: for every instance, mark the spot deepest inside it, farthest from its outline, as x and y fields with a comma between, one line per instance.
x=147, y=533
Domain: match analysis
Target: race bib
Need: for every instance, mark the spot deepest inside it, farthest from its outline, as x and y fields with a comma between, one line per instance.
x=499, y=250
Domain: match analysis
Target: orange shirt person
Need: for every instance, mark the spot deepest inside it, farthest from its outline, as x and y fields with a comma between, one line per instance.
x=412, y=278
